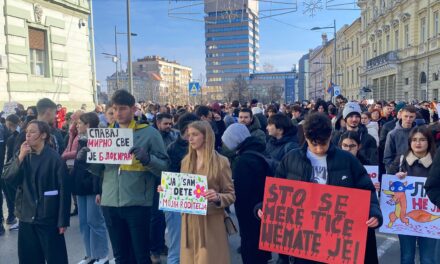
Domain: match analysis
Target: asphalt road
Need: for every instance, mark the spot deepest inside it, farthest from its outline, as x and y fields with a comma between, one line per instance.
x=388, y=247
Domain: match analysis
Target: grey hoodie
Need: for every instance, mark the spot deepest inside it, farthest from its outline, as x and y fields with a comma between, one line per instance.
x=396, y=144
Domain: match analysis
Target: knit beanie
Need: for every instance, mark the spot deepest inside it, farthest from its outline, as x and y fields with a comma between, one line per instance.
x=234, y=135
x=351, y=107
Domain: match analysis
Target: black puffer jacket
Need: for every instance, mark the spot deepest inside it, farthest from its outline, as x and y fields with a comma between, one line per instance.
x=296, y=166
x=84, y=182
x=432, y=184
x=177, y=151
x=368, y=143
x=278, y=148
x=43, y=193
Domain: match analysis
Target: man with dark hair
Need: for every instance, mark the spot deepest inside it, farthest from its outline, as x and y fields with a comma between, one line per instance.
x=282, y=136
x=245, y=117
x=204, y=113
x=46, y=112
x=164, y=123
x=397, y=140
x=127, y=190
x=296, y=114
x=319, y=161
x=352, y=117
x=177, y=151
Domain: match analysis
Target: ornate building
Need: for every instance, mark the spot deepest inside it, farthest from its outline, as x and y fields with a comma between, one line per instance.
x=46, y=51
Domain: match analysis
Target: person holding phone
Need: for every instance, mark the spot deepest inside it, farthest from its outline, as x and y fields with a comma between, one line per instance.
x=43, y=198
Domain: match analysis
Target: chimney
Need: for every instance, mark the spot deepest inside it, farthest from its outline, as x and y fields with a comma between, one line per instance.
x=324, y=38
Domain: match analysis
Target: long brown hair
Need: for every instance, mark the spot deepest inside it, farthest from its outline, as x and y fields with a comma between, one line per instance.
x=211, y=157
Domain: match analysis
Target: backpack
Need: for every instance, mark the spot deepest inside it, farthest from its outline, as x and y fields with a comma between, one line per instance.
x=272, y=164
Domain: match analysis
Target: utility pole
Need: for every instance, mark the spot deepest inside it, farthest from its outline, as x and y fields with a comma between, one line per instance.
x=116, y=60
x=130, y=72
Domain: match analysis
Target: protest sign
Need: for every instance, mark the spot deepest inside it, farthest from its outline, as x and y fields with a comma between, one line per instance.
x=406, y=209
x=314, y=221
x=373, y=172
x=109, y=145
x=9, y=108
x=184, y=193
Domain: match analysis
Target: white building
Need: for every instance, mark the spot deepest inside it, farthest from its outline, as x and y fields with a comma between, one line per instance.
x=46, y=51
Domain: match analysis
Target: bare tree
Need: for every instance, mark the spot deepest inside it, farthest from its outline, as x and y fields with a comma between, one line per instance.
x=274, y=93
x=267, y=67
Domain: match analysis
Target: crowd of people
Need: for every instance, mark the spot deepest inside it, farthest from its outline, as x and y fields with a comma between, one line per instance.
x=46, y=179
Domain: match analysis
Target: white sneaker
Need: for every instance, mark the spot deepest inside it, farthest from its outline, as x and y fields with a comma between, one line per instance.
x=101, y=261
x=14, y=227
x=86, y=260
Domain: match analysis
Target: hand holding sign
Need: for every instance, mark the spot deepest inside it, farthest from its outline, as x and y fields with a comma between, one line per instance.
x=140, y=155
x=82, y=154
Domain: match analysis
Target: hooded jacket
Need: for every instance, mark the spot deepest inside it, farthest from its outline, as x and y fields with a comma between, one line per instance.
x=368, y=144
x=296, y=166
x=396, y=144
x=373, y=130
x=278, y=148
x=256, y=130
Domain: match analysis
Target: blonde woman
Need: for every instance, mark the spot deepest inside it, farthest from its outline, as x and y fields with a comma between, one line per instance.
x=204, y=239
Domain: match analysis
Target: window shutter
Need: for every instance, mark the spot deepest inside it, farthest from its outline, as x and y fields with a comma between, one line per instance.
x=37, y=39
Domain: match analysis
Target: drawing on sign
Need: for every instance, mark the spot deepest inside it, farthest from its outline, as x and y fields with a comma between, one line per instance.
x=184, y=193
x=406, y=208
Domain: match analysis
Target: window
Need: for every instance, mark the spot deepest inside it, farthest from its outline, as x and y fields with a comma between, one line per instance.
x=406, y=36
x=38, y=52
x=435, y=94
x=396, y=40
x=387, y=43
x=422, y=77
x=380, y=46
x=435, y=76
x=406, y=81
x=436, y=24
x=352, y=48
x=423, y=29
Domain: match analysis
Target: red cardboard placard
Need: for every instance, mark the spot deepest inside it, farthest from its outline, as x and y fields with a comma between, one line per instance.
x=314, y=221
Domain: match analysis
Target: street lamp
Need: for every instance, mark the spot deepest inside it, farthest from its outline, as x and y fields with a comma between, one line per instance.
x=334, y=49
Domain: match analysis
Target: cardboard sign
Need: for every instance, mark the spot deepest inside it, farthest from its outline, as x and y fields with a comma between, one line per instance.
x=109, y=145
x=9, y=108
x=373, y=172
x=184, y=193
x=406, y=209
x=314, y=221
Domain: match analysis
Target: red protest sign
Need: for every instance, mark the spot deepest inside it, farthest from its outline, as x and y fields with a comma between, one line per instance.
x=314, y=221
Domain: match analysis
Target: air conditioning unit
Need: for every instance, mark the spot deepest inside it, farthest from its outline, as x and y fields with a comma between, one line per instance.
x=2, y=62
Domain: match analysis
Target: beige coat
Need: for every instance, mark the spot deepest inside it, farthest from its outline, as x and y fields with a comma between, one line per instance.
x=204, y=239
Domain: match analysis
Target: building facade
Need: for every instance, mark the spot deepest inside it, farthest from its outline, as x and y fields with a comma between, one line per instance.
x=273, y=86
x=173, y=78
x=46, y=51
x=319, y=67
x=232, y=43
x=303, y=78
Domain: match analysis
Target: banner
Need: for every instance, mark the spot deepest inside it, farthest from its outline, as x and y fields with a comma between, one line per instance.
x=9, y=109
x=314, y=221
x=184, y=193
x=373, y=172
x=109, y=145
x=406, y=209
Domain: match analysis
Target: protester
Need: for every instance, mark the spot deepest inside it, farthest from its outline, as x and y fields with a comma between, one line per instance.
x=432, y=184
x=372, y=126
x=164, y=123
x=86, y=186
x=43, y=198
x=416, y=161
x=204, y=239
x=396, y=142
x=127, y=215
x=319, y=161
x=282, y=136
x=352, y=116
x=249, y=175
x=245, y=117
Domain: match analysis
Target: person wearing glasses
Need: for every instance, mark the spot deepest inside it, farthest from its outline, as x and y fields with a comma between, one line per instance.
x=417, y=161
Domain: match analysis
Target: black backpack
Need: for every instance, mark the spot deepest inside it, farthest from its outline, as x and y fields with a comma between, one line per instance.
x=272, y=164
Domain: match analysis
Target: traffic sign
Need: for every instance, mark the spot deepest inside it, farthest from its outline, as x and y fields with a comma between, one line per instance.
x=194, y=88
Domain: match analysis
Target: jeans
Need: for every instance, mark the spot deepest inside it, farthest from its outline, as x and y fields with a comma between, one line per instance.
x=157, y=227
x=129, y=229
x=174, y=226
x=92, y=227
x=408, y=249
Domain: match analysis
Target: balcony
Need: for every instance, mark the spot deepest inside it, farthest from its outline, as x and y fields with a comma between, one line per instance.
x=384, y=59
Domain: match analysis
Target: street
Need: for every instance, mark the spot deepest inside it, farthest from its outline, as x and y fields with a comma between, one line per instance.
x=388, y=246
